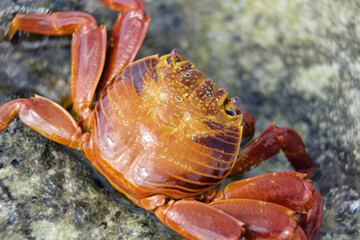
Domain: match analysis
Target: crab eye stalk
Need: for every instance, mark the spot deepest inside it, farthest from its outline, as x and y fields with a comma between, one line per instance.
x=176, y=57
x=232, y=106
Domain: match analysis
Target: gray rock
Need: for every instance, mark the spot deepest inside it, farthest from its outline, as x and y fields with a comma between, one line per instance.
x=292, y=62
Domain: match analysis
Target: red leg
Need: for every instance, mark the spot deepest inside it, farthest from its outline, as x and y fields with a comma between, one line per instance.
x=127, y=37
x=288, y=189
x=60, y=23
x=268, y=144
x=226, y=219
x=124, y=5
x=44, y=116
x=197, y=220
x=88, y=51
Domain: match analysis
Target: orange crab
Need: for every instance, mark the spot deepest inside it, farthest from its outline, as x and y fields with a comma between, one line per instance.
x=165, y=136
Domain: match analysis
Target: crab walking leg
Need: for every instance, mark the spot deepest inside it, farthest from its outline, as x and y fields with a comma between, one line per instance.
x=197, y=220
x=288, y=189
x=87, y=52
x=128, y=35
x=88, y=49
x=45, y=117
x=268, y=144
x=262, y=220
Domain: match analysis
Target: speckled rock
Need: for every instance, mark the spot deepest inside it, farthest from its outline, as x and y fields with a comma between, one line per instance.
x=292, y=62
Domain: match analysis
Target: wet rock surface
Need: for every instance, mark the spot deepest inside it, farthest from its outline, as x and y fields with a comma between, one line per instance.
x=295, y=63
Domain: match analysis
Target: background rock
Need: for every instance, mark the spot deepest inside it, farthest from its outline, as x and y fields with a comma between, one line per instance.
x=292, y=62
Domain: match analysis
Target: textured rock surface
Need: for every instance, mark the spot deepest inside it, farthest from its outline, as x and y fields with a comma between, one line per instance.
x=292, y=62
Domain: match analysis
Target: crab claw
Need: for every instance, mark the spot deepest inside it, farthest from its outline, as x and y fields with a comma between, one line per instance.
x=311, y=222
x=249, y=125
x=262, y=220
x=197, y=220
x=287, y=189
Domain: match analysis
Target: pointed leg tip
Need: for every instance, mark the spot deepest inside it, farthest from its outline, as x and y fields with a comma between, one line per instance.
x=12, y=31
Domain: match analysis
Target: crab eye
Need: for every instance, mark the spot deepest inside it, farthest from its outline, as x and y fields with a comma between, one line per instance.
x=236, y=102
x=176, y=57
x=232, y=106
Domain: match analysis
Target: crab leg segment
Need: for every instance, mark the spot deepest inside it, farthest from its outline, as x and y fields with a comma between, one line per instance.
x=197, y=220
x=123, y=5
x=59, y=23
x=44, y=116
x=268, y=144
x=262, y=220
x=128, y=35
x=288, y=189
x=311, y=222
x=87, y=51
